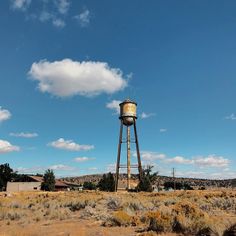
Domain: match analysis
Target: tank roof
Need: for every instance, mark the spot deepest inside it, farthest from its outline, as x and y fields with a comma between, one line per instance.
x=128, y=101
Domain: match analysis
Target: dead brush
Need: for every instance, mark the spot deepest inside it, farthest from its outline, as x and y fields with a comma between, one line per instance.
x=76, y=206
x=159, y=222
x=224, y=203
x=191, y=220
x=121, y=218
x=113, y=203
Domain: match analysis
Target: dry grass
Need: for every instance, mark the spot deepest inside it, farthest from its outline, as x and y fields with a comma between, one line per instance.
x=180, y=212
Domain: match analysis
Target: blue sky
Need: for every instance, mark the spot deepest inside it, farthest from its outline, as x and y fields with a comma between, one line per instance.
x=65, y=65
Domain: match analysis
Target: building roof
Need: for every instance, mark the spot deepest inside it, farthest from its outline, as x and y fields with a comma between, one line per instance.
x=58, y=183
x=36, y=178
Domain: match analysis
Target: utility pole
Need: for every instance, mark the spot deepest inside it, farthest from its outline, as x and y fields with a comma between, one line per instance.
x=173, y=174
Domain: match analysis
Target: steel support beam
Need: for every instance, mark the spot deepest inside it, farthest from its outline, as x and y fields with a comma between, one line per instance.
x=118, y=155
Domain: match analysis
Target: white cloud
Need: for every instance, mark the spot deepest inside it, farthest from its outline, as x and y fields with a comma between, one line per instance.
x=45, y=16
x=163, y=130
x=30, y=170
x=150, y=156
x=83, y=18
x=61, y=167
x=83, y=159
x=6, y=146
x=4, y=114
x=180, y=160
x=221, y=175
x=70, y=145
x=20, y=4
x=231, y=117
x=212, y=161
x=209, y=161
x=114, y=105
x=24, y=135
x=92, y=168
x=146, y=115
x=205, y=175
x=58, y=23
x=190, y=174
x=67, y=78
x=46, y=12
x=62, y=6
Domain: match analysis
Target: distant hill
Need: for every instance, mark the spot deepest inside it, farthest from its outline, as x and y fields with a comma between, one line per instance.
x=194, y=182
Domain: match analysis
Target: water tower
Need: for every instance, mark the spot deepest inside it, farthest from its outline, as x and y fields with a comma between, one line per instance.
x=128, y=118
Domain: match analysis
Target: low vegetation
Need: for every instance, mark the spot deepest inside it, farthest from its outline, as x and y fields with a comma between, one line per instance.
x=181, y=212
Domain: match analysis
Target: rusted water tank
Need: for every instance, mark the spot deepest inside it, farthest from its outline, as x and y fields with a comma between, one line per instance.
x=128, y=113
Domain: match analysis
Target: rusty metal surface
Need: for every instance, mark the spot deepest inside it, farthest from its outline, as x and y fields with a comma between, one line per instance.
x=128, y=158
x=118, y=155
x=128, y=110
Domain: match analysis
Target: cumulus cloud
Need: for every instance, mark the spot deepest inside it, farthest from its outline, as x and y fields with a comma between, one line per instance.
x=30, y=170
x=163, y=130
x=62, y=6
x=92, y=168
x=231, y=117
x=209, y=161
x=24, y=135
x=61, y=167
x=212, y=161
x=6, y=146
x=221, y=175
x=58, y=23
x=41, y=169
x=46, y=16
x=4, y=114
x=146, y=115
x=114, y=105
x=180, y=160
x=190, y=174
x=54, y=11
x=70, y=145
x=20, y=4
x=150, y=156
x=67, y=78
x=206, y=175
x=83, y=18
x=83, y=159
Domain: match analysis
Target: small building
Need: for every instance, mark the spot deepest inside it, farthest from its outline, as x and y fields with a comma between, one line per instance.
x=23, y=186
x=33, y=183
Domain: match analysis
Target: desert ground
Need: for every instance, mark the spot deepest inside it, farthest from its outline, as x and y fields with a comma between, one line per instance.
x=100, y=213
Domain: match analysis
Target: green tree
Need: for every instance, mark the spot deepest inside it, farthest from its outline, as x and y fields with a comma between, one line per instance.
x=48, y=181
x=147, y=180
x=107, y=183
x=177, y=185
x=89, y=185
x=6, y=174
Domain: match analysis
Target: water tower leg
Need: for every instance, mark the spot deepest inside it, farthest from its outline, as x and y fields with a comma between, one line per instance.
x=118, y=155
x=138, y=153
x=128, y=158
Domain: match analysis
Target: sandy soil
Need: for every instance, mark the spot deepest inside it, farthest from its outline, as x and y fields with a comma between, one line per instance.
x=70, y=228
x=64, y=228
